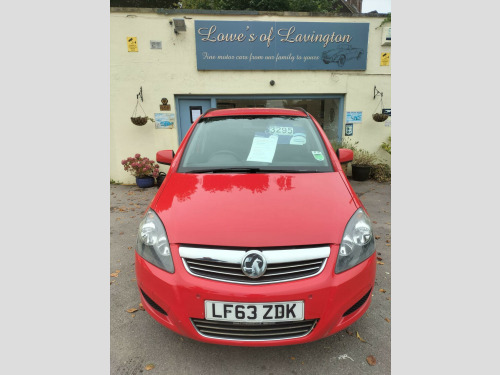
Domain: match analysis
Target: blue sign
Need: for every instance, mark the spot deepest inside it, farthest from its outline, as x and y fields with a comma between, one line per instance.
x=259, y=45
x=354, y=117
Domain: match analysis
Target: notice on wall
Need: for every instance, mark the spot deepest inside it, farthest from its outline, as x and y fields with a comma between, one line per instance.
x=385, y=59
x=349, y=129
x=263, y=148
x=132, y=44
x=164, y=120
x=354, y=116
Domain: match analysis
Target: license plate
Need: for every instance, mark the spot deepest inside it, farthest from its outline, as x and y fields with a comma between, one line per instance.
x=254, y=312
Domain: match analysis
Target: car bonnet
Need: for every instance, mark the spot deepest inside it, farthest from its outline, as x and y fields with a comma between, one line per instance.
x=255, y=210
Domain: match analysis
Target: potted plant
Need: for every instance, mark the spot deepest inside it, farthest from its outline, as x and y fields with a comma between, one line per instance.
x=144, y=170
x=362, y=163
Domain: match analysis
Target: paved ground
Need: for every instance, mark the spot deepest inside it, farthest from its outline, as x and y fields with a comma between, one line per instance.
x=138, y=341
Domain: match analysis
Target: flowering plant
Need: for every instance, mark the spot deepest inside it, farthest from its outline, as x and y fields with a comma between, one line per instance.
x=141, y=166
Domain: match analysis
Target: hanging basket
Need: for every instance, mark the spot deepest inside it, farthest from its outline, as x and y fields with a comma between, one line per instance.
x=380, y=117
x=139, y=120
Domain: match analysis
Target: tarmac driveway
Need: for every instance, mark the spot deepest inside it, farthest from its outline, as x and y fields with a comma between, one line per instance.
x=141, y=345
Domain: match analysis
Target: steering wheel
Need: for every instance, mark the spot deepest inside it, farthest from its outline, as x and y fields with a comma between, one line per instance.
x=225, y=152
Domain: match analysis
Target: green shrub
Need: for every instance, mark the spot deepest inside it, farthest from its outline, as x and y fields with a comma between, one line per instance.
x=345, y=143
x=387, y=145
x=364, y=158
x=381, y=172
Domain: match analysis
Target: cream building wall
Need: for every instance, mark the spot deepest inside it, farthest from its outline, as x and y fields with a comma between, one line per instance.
x=172, y=71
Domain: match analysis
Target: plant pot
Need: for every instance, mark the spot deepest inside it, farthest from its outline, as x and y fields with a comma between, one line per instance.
x=361, y=172
x=160, y=178
x=139, y=121
x=145, y=182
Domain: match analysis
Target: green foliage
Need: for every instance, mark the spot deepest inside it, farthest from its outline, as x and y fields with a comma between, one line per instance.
x=314, y=6
x=381, y=172
x=113, y=182
x=364, y=158
x=268, y=5
x=167, y=4
x=386, y=20
x=387, y=145
x=322, y=6
x=345, y=143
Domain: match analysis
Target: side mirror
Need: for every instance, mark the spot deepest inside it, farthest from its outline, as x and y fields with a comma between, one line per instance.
x=165, y=157
x=345, y=155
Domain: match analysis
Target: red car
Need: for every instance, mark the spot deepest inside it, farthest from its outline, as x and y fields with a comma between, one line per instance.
x=255, y=237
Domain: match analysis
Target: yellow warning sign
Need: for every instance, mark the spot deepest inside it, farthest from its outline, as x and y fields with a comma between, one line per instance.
x=384, y=59
x=132, y=44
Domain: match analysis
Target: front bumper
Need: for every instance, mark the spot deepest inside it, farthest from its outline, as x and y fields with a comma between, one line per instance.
x=334, y=301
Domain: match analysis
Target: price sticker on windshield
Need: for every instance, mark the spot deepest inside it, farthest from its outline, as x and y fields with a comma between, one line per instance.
x=280, y=130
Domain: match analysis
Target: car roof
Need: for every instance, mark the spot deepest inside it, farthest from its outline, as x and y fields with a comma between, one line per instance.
x=254, y=111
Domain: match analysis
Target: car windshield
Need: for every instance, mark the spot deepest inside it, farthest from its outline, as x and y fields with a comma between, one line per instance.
x=255, y=144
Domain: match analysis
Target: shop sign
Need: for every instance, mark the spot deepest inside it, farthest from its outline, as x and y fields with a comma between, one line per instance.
x=259, y=45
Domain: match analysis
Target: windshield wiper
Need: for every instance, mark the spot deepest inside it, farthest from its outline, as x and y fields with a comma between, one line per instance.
x=290, y=170
x=222, y=170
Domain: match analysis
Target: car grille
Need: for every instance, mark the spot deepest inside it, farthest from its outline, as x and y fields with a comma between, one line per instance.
x=253, y=332
x=274, y=273
x=225, y=265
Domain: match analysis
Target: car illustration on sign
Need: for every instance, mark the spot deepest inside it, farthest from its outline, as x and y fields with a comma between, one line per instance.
x=342, y=54
x=255, y=238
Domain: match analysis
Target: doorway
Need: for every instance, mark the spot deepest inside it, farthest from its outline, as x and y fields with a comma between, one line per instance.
x=326, y=109
x=189, y=110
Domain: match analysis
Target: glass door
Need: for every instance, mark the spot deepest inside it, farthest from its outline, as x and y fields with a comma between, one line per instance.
x=325, y=110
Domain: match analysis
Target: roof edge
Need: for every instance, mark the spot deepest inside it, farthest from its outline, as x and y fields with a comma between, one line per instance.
x=242, y=12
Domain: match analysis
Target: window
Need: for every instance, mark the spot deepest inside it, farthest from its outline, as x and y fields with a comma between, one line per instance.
x=266, y=143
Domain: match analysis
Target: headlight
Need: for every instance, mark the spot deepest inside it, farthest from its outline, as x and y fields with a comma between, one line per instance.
x=357, y=243
x=152, y=242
